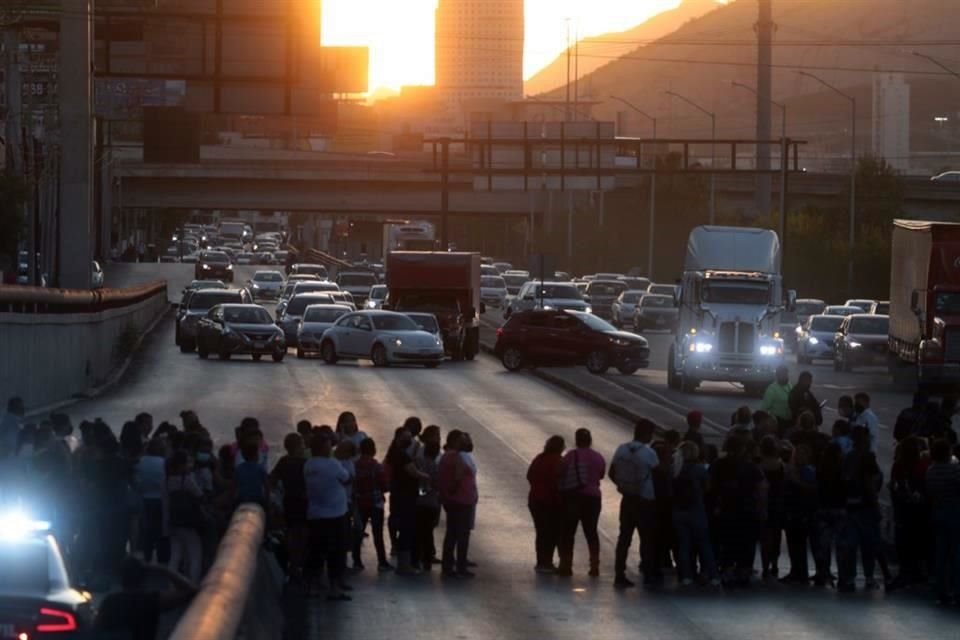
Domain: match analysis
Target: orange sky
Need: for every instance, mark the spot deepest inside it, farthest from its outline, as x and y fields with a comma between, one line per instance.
x=400, y=32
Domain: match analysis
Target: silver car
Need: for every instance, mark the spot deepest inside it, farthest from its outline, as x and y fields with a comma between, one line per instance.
x=195, y=305
x=317, y=318
x=493, y=291
x=266, y=284
x=384, y=337
x=815, y=338
x=624, y=307
x=841, y=310
x=289, y=319
x=378, y=293
x=655, y=311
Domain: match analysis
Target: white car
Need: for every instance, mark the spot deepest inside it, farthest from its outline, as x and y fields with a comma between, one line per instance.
x=378, y=293
x=317, y=318
x=493, y=291
x=266, y=284
x=625, y=305
x=815, y=338
x=383, y=337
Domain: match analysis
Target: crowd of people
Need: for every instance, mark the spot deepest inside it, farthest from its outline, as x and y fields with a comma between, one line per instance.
x=165, y=495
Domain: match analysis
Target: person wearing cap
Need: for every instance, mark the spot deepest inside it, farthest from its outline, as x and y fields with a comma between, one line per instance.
x=694, y=421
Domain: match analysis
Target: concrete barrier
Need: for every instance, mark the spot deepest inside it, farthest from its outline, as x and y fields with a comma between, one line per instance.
x=51, y=357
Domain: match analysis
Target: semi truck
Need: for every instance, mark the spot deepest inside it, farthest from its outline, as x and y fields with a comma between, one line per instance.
x=924, y=338
x=446, y=284
x=730, y=300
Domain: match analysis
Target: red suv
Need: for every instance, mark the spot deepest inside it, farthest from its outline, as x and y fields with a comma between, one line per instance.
x=569, y=337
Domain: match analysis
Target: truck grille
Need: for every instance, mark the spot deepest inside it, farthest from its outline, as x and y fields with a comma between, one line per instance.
x=736, y=337
x=951, y=350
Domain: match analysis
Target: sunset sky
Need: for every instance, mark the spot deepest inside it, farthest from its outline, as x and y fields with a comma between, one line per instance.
x=400, y=32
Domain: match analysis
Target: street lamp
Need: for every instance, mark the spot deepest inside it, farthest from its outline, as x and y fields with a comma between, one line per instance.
x=853, y=171
x=653, y=184
x=783, y=156
x=713, y=156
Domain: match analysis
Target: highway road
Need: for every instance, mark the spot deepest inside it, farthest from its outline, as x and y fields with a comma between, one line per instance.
x=510, y=416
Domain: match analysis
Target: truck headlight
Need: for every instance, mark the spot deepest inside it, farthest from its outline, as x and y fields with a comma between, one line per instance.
x=813, y=341
x=398, y=342
x=701, y=347
x=769, y=350
x=854, y=345
x=588, y=310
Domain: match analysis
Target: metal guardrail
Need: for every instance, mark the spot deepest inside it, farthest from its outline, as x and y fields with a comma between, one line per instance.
x=218, y=609
x=18, y=299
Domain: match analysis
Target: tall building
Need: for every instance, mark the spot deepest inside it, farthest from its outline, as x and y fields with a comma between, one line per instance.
x=479, y=52
x=891, y=119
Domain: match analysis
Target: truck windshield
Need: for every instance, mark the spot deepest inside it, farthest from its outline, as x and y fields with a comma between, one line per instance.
x=948, y=304
x=810, y=308
x=826, y=323
x=735, y=293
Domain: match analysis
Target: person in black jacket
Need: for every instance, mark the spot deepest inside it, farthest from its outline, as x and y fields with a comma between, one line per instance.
x=802, y=399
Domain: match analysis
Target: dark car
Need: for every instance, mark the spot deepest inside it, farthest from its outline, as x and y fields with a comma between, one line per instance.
x=292, y=315
x=37, y=599
x=861, y=340
x=569, y=337
x=602, y=293
x=240, y=329
x=195, y=305
x=213, y=265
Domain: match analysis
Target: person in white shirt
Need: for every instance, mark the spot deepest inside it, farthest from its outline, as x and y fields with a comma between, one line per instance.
x=326, y=479
x=632, y=471
x=865, y=417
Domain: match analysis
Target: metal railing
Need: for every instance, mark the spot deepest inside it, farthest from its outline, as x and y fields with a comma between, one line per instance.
x=218, y=609
x=19, y=299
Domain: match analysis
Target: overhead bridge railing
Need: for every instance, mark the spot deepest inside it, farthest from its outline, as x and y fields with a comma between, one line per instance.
x=17, y=299
x=240, y=595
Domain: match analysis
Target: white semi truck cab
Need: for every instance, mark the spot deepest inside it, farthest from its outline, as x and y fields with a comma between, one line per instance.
x=730, y=300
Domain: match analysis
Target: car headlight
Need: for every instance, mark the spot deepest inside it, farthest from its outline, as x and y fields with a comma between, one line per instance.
x=398, y=342
x=371, y=304
x=588, y=310
x=813, y=341
x=620, y=342
x=438, y=340
x=547, y=307
x=229, y=267
x=770, y=350
x=854, y=345
x=701, y=347
x=206, y=267
x=278, y=337
x=256, y=286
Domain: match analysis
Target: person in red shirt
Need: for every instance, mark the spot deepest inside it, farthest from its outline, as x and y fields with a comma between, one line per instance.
x=580, y=476
x=544, y=501
x=457, y=484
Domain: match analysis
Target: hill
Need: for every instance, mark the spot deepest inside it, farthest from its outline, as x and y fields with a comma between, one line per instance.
x=597, y=51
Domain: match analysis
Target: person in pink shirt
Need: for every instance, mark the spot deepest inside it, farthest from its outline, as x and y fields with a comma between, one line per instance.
x=457, y=485
x=580, y=476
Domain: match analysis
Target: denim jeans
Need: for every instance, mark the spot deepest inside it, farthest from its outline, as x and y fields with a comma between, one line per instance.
x=327, y=546
x=637, y=514
x=693, y=537
x=375, y=518
x=547, y=522
x=457, y=537
x=830, y=524
x=861, y=531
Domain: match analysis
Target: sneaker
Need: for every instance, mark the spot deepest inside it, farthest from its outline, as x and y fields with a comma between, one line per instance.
x=565, y=572
x=466, y=573
x=448, y=573
x=545, y=569
x=384, y=566
x=621, y=582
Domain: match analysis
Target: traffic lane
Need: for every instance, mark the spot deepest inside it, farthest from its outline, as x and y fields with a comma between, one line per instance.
x=124, y=275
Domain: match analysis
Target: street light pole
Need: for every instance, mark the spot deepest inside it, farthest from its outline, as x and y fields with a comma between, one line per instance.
x=783, y=157
x=653, y=185
x=853, y=172
x=713, y=151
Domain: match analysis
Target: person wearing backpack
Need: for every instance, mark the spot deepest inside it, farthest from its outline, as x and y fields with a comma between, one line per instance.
x=186, y=517
x=632, y=471
x=580, y=476
x=690, y=518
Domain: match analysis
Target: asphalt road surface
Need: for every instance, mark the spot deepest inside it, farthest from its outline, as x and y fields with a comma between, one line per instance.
x=510, y=416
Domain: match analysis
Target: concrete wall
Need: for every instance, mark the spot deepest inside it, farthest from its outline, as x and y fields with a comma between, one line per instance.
x=48, y=358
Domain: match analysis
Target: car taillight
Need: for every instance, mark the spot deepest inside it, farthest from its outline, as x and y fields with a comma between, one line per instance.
x=500, y=332
x=56, y=621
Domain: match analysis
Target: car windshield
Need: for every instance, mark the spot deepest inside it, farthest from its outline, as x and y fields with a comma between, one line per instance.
x=651, y=300
x=735, y=293
x=26, y=568
x=207, y=284
x=515, y=281
x=809, y=308
x=636, y=283
x=378, y=293
x=631, y=298
x=357, y=280
x=426, y=322
x=842, y=311
x=246, y=315
x=662, y=289
x=948, y=304
x=595, y=323
x=825, y=324
x=557, y=292
x=606, y=288
x=427, y=302
x=394, y=323
x=324, y=315
x=298, y=304
x=493, y=282
x=305, y=286
x=310, y=269
x=270, y=276
x=216, y=257
x=208, y=299
x=882, y=308
x=872, y=326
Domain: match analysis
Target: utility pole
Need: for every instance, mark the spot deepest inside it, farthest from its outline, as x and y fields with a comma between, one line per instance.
x=76, y=120
x=764, y=29
x=445, y=195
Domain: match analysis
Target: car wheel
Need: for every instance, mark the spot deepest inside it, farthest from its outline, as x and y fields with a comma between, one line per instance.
x=176, y=334
x=379, y=356
x=224, y=354
x=328, y=352
x=257, y=357
x=187, y=346
x=628, y=370
x=673, y=380
x=512, y=359
x=202, y=352
x=301, y=354
x=279, y=355
x=688, y=385
x=598, y=362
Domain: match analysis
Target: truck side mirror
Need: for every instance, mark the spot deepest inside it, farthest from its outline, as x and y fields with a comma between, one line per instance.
x=791, y=300
x=915, y=302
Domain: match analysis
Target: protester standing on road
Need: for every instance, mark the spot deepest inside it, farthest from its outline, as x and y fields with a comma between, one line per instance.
x=288, y=476
x=694, y=422
x=801, y=399
x=690, y=519
x=632, y=470
x=776, y=399
x=912, y=420
x=799, y=510
x=911, y=511
x=544, y=501
x=326, y=512
x=404, y=488
x=186, y=517
x=580, y=476
x=863, y=416
x=371, y=486
x=150, y=480
x=943, y=490
x=457, y=482
x=775, y=473
x=347, y=429
x=862, y=480
x=428, y=506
